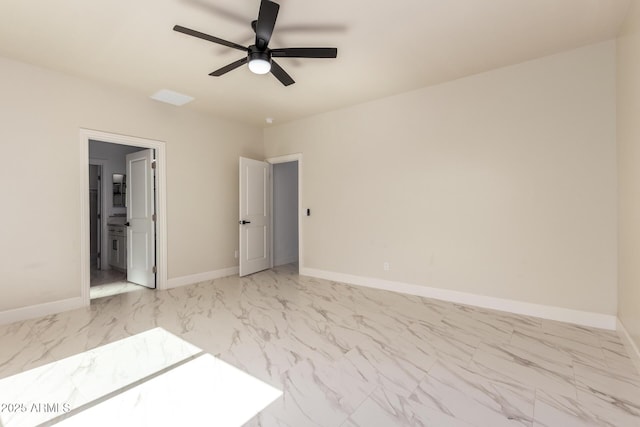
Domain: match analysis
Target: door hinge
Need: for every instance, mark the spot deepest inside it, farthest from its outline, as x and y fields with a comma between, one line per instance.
x=153, y=217
x=155, y=270
x=153, y=164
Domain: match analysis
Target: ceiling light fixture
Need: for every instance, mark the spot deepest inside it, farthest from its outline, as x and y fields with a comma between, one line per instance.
x=259, y=61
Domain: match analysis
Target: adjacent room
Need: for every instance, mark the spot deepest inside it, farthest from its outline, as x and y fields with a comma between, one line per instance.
x=258, y=213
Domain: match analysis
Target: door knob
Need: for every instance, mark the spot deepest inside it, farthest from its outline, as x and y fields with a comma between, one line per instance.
x=243, y=222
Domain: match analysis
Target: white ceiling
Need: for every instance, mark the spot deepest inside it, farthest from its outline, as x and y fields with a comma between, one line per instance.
x=383, y=47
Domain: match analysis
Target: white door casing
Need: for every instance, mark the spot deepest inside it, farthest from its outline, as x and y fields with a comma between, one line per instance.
x=255, y=216
x=140, y=217
x=160, y=150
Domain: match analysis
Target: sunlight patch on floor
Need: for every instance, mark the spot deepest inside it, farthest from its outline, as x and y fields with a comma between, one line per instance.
x=146, y=379
x=203, y=392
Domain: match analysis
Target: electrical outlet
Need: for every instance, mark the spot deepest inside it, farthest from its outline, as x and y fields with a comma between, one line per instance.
x=236, y=254
x=385, y=266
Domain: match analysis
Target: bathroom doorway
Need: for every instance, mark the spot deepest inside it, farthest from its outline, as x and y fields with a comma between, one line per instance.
x=118, y=185
x=122, y=220
x=110, y=208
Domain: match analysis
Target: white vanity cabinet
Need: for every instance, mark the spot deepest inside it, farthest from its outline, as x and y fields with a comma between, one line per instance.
x=118, y=247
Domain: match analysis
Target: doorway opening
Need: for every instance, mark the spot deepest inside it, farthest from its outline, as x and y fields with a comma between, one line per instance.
x=285, y=214
x=123, y=245
x=111, y=273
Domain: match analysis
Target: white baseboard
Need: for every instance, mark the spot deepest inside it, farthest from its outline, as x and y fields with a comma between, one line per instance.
x=283, y=261
x=585, y=318
x=632, y=347
x=29, y=312
x=201, y=277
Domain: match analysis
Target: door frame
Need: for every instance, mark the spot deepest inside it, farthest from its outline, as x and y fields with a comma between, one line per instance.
x=161, y=203
x=297, y=157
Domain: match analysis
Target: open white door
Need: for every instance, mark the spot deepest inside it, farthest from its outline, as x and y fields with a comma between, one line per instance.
x=140, y=218
x=255, y=216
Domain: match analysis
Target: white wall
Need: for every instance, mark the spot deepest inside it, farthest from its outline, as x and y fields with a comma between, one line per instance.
x=42, y=112
x=285, y=209
x=629, y=173
x=500, y=184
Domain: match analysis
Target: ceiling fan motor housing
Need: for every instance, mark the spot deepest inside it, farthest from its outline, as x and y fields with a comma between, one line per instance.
x=255, y=53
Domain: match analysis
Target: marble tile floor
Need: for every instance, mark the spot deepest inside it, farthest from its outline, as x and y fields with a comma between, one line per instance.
x=348, y=356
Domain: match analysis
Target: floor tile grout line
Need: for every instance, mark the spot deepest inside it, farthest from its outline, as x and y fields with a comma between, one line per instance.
x=535, y=401
x=575, y=379
x=360, y=404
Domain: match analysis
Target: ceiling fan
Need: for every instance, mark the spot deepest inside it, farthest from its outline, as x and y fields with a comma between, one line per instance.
x=259, y=56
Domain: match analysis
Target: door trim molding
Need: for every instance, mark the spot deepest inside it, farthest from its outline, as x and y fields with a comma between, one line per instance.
x=85, y=135
x=296, y=157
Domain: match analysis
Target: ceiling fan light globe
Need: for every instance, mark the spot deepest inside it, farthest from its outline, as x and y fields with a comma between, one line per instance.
x=259, y=66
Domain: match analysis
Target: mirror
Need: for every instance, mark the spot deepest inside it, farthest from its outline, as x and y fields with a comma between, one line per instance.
x=119, y=189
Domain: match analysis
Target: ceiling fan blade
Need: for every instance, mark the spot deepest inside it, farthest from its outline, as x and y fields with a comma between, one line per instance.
x=281, y=74
x=207, y=37
x=266, y=22
x=305, y=52
x=227, y=68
